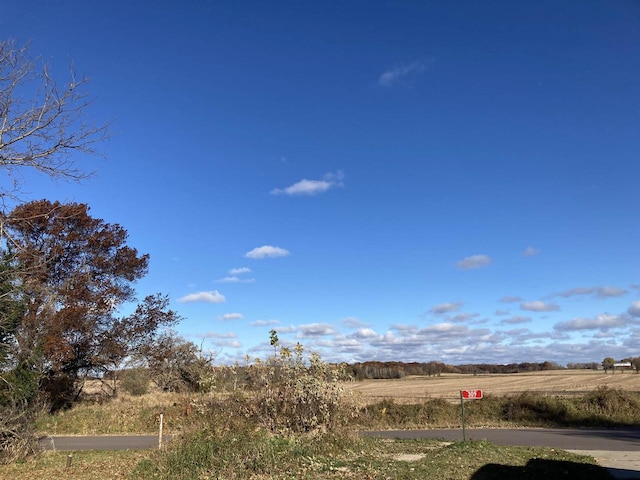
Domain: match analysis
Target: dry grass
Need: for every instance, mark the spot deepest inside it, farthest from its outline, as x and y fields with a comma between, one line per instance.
x=123, y=415
x=448, y=386
x=85, y=466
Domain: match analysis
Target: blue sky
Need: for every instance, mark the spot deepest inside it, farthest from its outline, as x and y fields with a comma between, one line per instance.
x=411, y=181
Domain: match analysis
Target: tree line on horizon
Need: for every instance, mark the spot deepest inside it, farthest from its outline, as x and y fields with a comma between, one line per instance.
x=390, y=370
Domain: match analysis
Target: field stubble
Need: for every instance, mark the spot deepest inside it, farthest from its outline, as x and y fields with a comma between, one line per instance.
x=447, y=386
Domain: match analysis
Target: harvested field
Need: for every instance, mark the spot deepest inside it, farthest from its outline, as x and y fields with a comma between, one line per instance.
x=448, y=386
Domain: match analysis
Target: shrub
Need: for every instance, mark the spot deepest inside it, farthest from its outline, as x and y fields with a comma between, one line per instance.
x=20, y=404
x=293, y=396
x=135, y=381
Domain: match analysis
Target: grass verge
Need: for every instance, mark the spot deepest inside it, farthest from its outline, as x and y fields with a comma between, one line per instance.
x=88, y=465
x=604, y=407
x=259, y=457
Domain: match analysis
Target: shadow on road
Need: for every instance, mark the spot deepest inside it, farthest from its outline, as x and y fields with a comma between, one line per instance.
x=538, y=469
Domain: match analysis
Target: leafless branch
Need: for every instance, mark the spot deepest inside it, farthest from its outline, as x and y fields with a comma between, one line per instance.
x=42, y=124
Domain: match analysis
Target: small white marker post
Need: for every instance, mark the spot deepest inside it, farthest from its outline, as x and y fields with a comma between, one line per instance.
x=160, y=432
x=467, y=395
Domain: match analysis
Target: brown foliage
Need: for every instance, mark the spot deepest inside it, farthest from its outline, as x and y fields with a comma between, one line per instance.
x=72, y=271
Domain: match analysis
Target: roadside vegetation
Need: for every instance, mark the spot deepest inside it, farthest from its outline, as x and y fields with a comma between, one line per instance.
x=309, y=458
x=294, y=417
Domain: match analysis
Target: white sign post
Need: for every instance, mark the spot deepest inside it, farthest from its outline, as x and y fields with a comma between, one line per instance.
x=467, y=395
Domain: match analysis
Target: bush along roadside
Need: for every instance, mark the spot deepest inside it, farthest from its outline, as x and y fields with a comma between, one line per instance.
x=604, y=407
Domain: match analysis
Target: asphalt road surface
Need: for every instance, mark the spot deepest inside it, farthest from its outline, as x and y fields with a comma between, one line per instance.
x=103, y=442
x=627, y=439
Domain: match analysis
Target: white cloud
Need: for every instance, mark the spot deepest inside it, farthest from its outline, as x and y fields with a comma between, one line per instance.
x=227, y=343
x=231, y=316
x=316, y=330
x=539, y=306
x=353, y=322
x=211, y=297
x=445, y=308
x=236, y=280
x=312, y=187
x=365, y=333
x=596, y=292
x=267, y=251
x=220, y=335
x=265, y=323
x=605, y=292
x=229, y=280
x=395, y=75
x=516, y=319
x=449, y=331
x=474, y=261
x=509, y=299
x=530, y=252
x=603, y=321
x=239, y=271
x=634, y=309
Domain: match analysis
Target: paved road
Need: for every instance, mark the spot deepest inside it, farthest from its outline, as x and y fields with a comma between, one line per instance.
x=627, y=439
x=103, y=442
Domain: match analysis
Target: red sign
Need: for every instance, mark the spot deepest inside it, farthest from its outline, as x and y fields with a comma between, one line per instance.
x=471, y=394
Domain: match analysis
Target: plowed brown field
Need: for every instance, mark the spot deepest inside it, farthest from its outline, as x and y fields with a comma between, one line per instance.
x=448, y=386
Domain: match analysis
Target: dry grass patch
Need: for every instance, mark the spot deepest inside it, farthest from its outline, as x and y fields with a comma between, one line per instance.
x=448, y=386
x=123, y=415
x=85, y=466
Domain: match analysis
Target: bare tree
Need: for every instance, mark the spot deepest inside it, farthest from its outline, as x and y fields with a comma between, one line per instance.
x=41, y=122
x=42, y=127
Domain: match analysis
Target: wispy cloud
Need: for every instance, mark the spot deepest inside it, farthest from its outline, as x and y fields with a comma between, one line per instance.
x=267, y=251
x=474, y=261
x=445, y=308
x=530, y=252
x=353, y=322
x=603, y=322
x=239, y=271
x=462, y=317
x=210, y=297
x=312, y=187
x=230, y=316
x=515, y=320
x=220, y=335
x=539, y=306
x=397, y=74
x=236, y=280
x=510, y=299
x=265, y=323
x=596, y=292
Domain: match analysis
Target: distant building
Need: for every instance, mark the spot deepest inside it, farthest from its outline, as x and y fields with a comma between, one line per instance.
x=621, y=365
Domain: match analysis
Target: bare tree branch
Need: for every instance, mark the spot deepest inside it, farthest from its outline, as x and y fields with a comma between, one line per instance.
x=42, y=124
